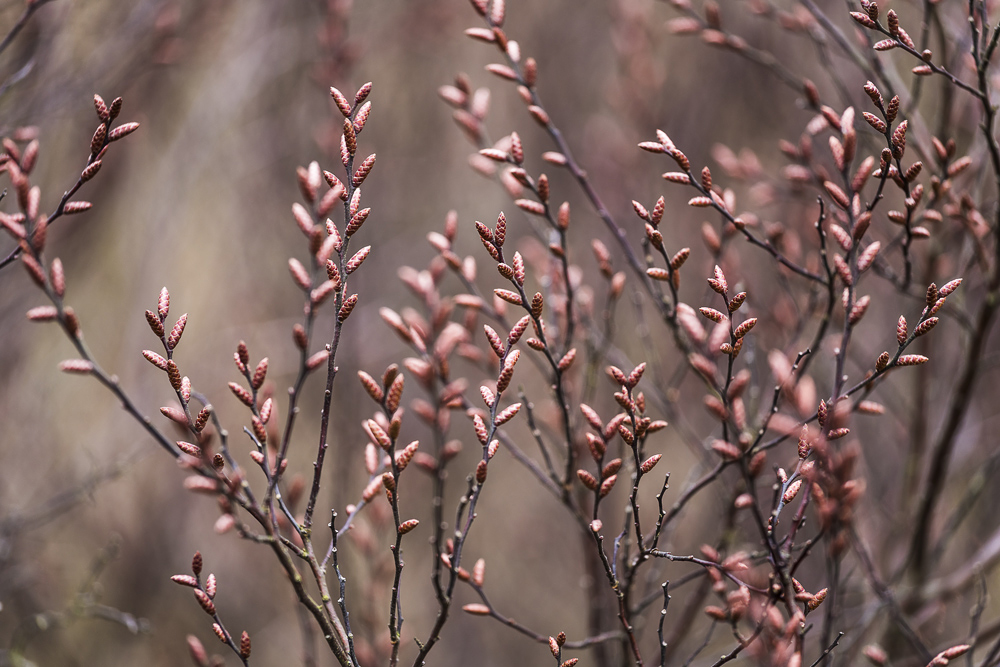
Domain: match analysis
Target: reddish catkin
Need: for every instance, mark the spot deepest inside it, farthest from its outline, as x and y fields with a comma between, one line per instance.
x=648, y=464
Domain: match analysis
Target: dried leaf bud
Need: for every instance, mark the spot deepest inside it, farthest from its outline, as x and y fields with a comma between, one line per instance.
x=49, y=313
x=211, y=586
x=718, y=283
x=949, y=287
x=648, y=464
x=597, y=447
x=911, y=360
x=371, y=386
x=925, y=326
x=882, y=362
x=90, y=171
x=155, y=359
x=354, y=262
x=174, y=415
x=617, y=375
x=640, y=210
x=174, y=373
x=791, y=491
x=115, y=108
x=476, y=609
x=388, y=481
x=859, y=309
x=259, y=374
x=591, y=416
x=177, y=332
x=876, y=654
x=350, y=137
x=321, y=293
x=843, y=270
x=607, y=485
x=955, y=651
x=347, y=307
x=587, y=479
x=245, y=645
x=395, y=393
x=893, y=22
x=611, y=468
x=539, y=114
x=633, y=378
x=507, y=295
x=30, y=157
x=362, y=172
x=744, y=328
x=502, y=71
x=357, y=219
x=507, y=414
x=189, y=448
x=901, y=330
x=726, y=450
x=877, y=123
x=196, y=563
x=101, y=108
x=864, y=20
x=341, y=102
x=407, y=526
x=242, y=394
x=494, y=339
x=361, y=117
x=185, y=580
x=654, y=236
x=205, y=601
x=97, y=142
x=537, y=303
x=518, y=265
x=163, y=304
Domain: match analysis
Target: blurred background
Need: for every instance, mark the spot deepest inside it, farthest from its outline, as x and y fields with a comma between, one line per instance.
x=232, y=97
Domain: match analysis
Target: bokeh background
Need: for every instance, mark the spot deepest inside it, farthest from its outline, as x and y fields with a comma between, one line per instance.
x=232, y=97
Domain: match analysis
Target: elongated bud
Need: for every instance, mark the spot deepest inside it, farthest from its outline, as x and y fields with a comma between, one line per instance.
x=357, y=220
x=97, y=142
x=792, y=491
x=607, y=485
x=155, y=359
x=259, y=374
x=648, y=464
x=242, y=394
x=476, y=609
x=407, y=526
x=345, y=310
x=185, y=580
x=122, y=131
x=205, y=602
x=90, y=171
x=177, y=332
x=101, y=108
x=588, y=479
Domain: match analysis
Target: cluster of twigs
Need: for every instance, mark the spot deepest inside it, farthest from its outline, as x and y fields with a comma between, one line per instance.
x=791, y=572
